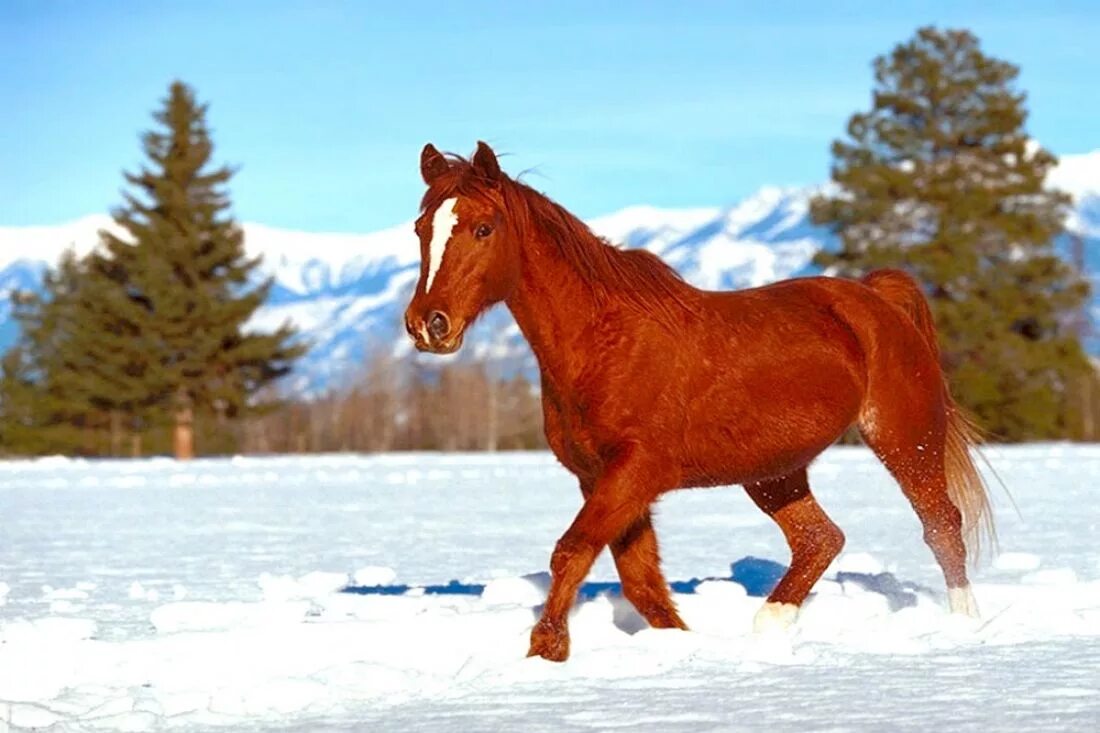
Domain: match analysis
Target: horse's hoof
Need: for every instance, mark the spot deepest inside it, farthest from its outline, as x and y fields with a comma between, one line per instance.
x=774, y=616
x=962, y=602
x=549, y=642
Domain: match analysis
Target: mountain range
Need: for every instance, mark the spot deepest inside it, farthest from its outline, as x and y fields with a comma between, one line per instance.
x=346, y=292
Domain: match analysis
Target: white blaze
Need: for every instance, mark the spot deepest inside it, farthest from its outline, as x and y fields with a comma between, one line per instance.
x=443, y=223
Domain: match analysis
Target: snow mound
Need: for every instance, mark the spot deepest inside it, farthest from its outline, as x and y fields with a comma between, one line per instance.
x=235, y=661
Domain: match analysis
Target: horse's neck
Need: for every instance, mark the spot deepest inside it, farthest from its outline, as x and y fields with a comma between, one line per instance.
x=553, y=305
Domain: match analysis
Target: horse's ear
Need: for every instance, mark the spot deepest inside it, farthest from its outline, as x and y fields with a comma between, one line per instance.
x=432, y=164
x=485, y=162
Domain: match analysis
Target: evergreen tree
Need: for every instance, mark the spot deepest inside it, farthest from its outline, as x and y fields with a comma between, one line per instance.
x=182, y=283
x=46, y=407
x=19, y=413
x=940, y=178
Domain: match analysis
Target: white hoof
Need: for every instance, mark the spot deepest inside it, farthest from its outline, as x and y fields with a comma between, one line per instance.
x=961, y=600
x=774, y=617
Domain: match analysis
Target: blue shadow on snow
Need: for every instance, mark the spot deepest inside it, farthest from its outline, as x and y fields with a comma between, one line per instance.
x=757, y=575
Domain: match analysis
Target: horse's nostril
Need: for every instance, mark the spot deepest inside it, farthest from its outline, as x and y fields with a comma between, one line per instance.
x=438, y=325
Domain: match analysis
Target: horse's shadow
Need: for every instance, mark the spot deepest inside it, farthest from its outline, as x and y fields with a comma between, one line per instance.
x=899, y=594
x=758, y=576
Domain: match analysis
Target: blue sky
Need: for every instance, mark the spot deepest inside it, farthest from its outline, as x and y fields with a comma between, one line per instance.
x=325, y=105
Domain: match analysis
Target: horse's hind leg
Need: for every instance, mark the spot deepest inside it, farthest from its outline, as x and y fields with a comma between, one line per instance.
x=639, y=564
x=918, y=467
x=813, y=538
x=911, y=442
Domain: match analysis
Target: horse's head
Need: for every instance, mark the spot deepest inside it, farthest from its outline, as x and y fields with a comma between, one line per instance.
x=468, y=249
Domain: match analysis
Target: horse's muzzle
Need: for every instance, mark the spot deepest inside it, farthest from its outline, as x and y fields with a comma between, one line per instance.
x=434, y=332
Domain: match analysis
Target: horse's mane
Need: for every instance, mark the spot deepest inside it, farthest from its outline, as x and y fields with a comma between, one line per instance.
x=642, y=279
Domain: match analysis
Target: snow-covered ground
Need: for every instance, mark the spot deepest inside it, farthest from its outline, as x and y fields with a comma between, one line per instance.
x=155, y=595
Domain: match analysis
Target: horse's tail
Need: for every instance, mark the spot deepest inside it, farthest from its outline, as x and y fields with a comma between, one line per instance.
x=965, y=485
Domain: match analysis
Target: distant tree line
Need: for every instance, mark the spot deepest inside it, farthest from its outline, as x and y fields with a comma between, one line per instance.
x=144, y=344
x=398, y=404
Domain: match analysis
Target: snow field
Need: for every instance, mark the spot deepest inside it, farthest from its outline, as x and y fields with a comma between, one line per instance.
x=155, y=596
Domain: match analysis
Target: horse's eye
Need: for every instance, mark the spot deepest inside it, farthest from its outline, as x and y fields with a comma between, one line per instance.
x=483, y=231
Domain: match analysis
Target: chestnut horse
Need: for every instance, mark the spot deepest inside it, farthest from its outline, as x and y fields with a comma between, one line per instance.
x=650, y=385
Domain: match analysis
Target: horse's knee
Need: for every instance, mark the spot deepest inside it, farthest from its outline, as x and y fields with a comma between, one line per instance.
x=564, y=551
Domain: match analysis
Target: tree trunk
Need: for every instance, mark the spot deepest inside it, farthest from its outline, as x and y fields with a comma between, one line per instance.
x=1088, y=415
x=135, y=445
x=492, y=419
x=116, y=433
x=183, y=438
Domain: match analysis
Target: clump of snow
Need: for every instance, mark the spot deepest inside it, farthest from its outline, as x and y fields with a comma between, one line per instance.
x=1051, y=576
x=374, y=575
x=49, y=629
x=310, y=585
x=139, y=592
x=530, y=590
x=30, y=717
x=1023, y=561
x=721, y=590
x=57, y=594
x=63, y=607
x=857, y=562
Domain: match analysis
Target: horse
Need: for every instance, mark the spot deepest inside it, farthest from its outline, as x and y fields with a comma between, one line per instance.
x=651, y=385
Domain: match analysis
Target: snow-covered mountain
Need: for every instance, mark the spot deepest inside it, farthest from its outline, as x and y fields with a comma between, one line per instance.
x=346, y=292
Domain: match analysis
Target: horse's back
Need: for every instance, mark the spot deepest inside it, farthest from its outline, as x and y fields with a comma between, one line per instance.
x=866, y=322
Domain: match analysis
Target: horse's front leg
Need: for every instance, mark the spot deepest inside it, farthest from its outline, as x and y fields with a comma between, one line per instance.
x=619, y=497
x=638, y=561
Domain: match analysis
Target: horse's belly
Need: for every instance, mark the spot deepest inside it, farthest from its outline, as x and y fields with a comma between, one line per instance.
x=723, y=465
x=750, y=433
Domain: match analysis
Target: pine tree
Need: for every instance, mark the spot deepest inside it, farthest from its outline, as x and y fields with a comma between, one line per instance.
x=941, y=179
x=182, y=282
